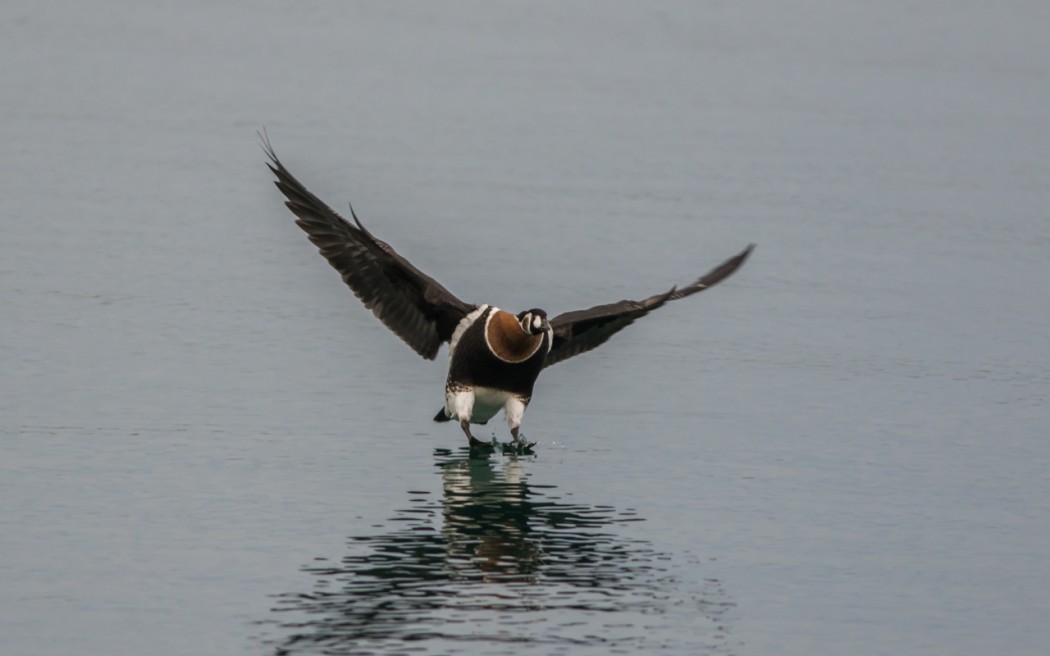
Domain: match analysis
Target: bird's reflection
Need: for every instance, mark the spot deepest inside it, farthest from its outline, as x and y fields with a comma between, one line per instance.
x=494, y=561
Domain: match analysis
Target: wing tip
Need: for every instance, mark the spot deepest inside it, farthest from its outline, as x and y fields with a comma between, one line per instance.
x=277, y=168
x=264, y=138
x=743, y=256
x=727, y=268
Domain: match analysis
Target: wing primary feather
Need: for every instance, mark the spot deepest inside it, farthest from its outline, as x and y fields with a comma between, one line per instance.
x=582, y=330
x=410, y=303
x=360, y=225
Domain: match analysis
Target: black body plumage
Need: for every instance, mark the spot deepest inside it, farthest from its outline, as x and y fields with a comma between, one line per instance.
x=474, y=364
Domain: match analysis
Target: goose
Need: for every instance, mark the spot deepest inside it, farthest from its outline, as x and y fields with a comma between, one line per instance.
x=495, y=356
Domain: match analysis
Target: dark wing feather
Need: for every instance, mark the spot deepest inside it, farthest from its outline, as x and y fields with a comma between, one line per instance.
x=582, y=330
x=412, y=304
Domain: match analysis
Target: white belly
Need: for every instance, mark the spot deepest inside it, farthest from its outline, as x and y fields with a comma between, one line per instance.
x=487, y=402
x=482, y=404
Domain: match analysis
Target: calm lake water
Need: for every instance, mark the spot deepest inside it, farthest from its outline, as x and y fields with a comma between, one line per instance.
x=208, y=446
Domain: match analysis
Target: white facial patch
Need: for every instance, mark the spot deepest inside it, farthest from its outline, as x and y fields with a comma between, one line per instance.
x=536, y=323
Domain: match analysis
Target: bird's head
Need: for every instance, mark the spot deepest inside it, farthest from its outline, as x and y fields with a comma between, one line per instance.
x=533, y=321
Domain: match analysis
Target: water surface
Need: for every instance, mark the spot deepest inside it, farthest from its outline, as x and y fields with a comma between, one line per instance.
x=495, y=563
x=208, y=446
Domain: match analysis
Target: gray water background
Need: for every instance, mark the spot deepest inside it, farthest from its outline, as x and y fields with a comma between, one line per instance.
x=843, y=449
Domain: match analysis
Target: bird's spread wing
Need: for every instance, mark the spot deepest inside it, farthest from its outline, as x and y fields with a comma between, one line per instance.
x=412, y=304
x=581, y=330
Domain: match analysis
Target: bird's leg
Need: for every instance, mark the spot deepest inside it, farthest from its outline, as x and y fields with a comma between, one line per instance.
x=474, y=442
x=459, y=403
x=518, y=442
x=515, y=410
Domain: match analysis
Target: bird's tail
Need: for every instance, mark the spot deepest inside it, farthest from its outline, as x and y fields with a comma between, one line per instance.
x=441, y=416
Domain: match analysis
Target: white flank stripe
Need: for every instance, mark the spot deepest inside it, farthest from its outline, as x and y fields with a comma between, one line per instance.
x=461, y=328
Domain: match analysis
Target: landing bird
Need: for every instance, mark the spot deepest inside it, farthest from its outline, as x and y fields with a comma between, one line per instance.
x=495, y=356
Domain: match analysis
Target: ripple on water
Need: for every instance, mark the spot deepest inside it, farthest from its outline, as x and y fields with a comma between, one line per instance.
x=505, y=567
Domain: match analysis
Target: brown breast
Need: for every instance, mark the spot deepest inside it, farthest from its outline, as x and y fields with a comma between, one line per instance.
x=507, y=340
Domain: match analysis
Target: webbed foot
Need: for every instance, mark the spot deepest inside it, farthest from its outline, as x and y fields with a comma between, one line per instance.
x=519, y=447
